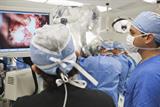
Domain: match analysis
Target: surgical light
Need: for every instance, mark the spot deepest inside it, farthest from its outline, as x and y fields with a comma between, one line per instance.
x=121, y=25
x=152, y=1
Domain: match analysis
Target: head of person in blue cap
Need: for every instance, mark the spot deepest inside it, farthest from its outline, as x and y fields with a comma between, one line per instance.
x=53, y=54
x=106, y=47
x=118, y=48
x=144, y=33
x=48, y=49
x=112, y=48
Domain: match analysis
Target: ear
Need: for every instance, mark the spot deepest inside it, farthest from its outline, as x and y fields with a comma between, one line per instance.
x=149, y=39
x=36, y=69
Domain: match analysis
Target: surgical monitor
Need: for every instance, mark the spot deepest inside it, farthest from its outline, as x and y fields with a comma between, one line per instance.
x=17, y=29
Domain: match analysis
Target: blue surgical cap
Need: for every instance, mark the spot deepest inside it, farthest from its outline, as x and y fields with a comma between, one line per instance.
x=118, y=45
x=107, y=45
x=52, y=42
x=148, y=22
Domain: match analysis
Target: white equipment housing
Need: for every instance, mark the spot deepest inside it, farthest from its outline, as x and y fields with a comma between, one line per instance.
x=19, y=83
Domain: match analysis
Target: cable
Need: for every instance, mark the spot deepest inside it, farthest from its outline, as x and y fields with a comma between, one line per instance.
x=66, y=95
x=64, y=78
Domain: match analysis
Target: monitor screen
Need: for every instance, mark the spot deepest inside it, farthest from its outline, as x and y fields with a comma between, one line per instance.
x=17, y=29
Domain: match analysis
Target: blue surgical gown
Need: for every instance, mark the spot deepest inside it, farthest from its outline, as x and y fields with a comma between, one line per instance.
x=143, y=87
x=106, y=70
x=128, y=65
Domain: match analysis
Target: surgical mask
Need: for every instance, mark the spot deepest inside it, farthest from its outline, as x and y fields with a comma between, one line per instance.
x=130, y=43
x=132, y=48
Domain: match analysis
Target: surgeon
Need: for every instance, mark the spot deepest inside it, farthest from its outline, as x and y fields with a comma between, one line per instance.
x=143, y=87
x=53, y=55
x=106, y=70
x=127, y=62
x=117, y=51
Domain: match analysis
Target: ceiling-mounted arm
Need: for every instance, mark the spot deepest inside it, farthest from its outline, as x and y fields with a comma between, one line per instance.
x=107, y=17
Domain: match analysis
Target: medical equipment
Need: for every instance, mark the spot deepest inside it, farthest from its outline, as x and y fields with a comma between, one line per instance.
x=87, y=20
x=19, y=83
x=121, y=25
x=152, y=1
x=15, y=35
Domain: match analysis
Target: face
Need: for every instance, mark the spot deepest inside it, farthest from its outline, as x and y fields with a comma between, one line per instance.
x=138, y=41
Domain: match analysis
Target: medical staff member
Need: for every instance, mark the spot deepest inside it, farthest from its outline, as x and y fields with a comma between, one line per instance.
x=106, y=70
x=53, y=55
x=127, y=62
x=106, y=48
x=143, y=87
x=118, y=52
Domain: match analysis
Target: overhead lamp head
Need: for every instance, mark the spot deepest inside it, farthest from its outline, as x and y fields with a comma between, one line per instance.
x=121, y=25
x=152, y=1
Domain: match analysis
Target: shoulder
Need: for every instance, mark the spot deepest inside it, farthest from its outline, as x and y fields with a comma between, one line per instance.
x=146, y=74
x=105, y=62
x=99, y=57
x=22, y=102
x=148, y=69
x=30, y=101
x=99, y=98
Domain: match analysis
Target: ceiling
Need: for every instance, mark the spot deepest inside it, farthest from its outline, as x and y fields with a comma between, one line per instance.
x=113, y=3
x=118, y=6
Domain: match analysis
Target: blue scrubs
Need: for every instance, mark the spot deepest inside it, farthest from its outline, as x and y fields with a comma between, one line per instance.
x=106, y=70
x=20, y=64
x=128, y=65
x=143, y=87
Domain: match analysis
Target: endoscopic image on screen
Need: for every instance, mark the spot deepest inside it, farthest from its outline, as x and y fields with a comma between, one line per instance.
x=17, y=29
